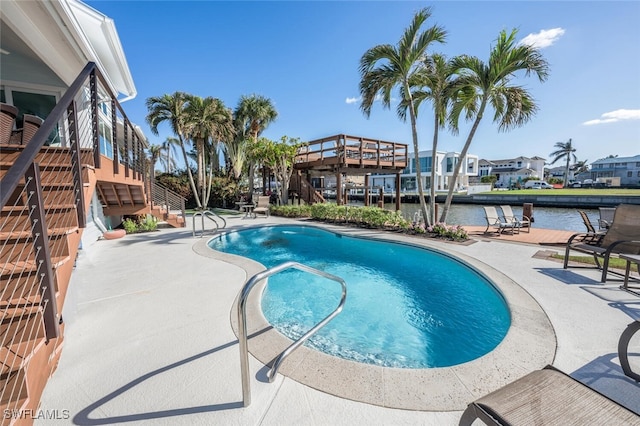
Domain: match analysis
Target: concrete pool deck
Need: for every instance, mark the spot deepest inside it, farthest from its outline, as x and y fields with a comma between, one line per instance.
x=149, y=338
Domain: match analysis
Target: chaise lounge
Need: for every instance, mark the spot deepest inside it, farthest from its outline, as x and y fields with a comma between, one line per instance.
x=507, y=214
x=547, y=397
x=493, y=220
x=622, y=237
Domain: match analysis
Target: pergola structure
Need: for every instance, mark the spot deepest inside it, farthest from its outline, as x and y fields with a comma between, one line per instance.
x=351, y=155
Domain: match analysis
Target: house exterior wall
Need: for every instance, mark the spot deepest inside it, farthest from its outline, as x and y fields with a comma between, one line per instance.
x=512, y=170
x=444, y=166
x=625, y=168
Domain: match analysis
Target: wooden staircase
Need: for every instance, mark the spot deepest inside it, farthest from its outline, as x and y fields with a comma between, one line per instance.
x=45, y=193
x=32, y=289
x=302, y=187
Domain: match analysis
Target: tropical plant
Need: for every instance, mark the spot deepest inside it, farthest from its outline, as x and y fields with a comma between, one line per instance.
x=565, y=150
x=207, y=120
x=435, y=82
x=155, y=153
x=171, y=109
x=481, y=84
x=279, y=157
x=385, y=67
x=580, y=167
x=168, y=158
x=251, y=117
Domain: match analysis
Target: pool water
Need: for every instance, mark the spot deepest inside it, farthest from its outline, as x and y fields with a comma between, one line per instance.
x=406, y=306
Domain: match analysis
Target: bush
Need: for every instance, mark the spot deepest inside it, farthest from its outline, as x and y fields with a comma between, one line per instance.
x=291, y=211
x=455, y=233
x=141, y=224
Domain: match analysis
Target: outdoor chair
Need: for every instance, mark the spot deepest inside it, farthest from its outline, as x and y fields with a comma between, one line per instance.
x=508, y=216
x=622, y=237
x=8, y=114
x=262, y=206
x=547, y=397
x=493, y=220
x=587, y=222
x=606, y=217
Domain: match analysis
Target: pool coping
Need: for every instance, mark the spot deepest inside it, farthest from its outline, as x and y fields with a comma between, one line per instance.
x=529, y=345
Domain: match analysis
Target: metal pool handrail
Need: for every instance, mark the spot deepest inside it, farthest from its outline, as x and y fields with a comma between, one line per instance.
x=208, y=214
x=242, y=323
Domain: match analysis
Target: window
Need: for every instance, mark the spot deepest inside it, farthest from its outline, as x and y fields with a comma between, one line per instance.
x=38, y=104
x=106, y=138
x=451, y=162
x=629, y=174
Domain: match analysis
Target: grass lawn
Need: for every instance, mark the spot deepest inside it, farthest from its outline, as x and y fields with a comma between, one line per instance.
x=614, y=262
x=571, y=191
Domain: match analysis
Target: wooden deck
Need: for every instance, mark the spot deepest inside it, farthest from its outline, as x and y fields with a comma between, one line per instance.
x=547, y=237
x=352, y=155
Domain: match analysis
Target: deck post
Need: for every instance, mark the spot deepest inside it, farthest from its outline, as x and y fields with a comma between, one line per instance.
x=397, y=191
x=339, y=188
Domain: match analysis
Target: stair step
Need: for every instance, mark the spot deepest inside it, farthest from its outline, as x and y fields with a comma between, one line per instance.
x=21, y=249
x=16, y=218
x=14, y=390
x=21, y=331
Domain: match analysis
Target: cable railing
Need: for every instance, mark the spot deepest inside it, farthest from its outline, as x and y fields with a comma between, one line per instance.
x=242, y=322
x=168, y=200
x=42, y=199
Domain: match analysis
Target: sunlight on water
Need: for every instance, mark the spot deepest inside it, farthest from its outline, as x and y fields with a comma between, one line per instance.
x=406, y=306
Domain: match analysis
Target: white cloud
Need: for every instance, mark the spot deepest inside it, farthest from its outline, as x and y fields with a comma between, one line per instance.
x=544, y=38
x=613, y=116
x=352, y=100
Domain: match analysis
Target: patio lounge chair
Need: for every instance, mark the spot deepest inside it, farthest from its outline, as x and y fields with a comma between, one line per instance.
x=262, y=206
x=622, y=237
x=508, y=216
x=547, y=397
x=606, y=217
x=587, y=222
x=493, y=220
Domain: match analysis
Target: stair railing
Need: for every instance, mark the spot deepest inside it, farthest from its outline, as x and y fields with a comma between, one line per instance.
x=167, y=199
x=43, y=208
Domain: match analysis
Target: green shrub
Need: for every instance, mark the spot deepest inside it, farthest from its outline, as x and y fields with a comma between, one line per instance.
x=291, y=211
x=146, y=224
x=130, y=226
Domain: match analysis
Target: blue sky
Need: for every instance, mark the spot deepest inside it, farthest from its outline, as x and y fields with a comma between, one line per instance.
x=304, y=56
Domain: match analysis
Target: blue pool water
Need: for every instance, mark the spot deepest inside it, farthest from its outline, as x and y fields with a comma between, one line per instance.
x=406, y=306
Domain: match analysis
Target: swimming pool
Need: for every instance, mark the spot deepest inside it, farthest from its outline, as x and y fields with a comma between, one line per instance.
x=406, y=307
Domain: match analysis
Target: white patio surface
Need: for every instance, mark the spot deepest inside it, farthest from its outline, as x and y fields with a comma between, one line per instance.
x=148, y=337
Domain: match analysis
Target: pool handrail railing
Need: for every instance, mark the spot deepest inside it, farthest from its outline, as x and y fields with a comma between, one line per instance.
x=242, y=323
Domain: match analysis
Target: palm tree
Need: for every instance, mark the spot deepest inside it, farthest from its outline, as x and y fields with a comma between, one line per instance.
x=207, y=119
x=385, y=66
x=435, y=83
x=171, y=109
x=481, y=84
x=169, y=147
x=567, y=151
x=252, y=116
x=155, y=153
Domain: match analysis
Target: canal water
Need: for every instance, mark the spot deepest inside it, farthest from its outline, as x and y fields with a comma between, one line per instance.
x=473, y=214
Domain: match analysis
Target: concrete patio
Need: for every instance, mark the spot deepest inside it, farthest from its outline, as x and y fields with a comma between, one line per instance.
x=149, y=340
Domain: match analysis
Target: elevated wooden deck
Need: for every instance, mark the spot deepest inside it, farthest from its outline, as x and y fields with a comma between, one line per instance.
x=352, y=155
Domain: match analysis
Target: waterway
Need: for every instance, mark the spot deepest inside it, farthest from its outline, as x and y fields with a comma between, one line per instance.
x=472, y=214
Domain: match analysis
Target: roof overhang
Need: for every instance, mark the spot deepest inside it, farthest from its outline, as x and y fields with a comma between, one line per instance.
x=66, y=34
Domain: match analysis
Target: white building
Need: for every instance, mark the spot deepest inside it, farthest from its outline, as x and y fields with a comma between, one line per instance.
x=512, y=170
x=444, y=164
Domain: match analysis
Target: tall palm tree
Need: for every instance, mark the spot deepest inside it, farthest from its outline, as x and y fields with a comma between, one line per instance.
x=169, y=148
x=206, y=120
x=482, y=84
x=171, y=109
x=567, y=151
x=155, y=152
x=385, y=67
x=436, y=83
x=252, y=116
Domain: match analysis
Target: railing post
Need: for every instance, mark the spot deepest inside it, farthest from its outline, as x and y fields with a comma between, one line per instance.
x=114, y=140
x=74, y=146
x=93, y=87
x=182, y=206
x=42, y=252
x=126, y=147
x=166, y=202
